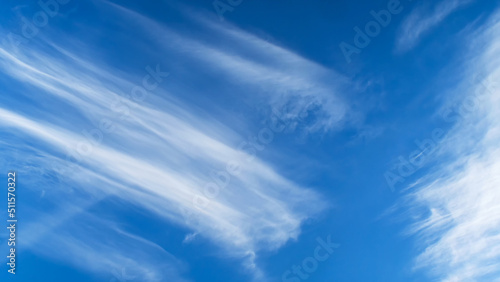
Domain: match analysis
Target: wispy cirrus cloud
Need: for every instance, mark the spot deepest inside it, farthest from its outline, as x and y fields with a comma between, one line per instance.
x=456, y=210
x=422, y=19
x=273, y=75
x=161, y=154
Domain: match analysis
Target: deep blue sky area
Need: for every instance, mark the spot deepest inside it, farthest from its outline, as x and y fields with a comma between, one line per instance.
x=240, y=140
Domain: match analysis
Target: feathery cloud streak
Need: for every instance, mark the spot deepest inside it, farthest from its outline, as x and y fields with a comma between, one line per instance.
x=161, y=154
x=457, y=207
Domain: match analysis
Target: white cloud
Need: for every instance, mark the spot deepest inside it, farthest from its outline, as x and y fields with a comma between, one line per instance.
x=421, y=21
x=274, y=75
x=160, y=157
x=457, y=207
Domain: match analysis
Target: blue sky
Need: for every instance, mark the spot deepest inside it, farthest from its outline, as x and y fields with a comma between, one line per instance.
x=252, y=140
